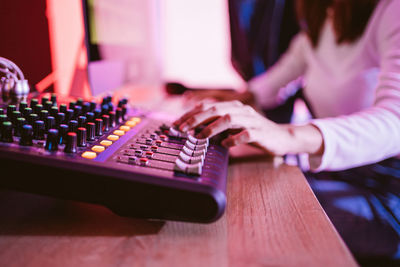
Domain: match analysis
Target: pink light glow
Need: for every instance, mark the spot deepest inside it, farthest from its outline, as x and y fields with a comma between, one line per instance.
x=196, y=43
x=68, y=53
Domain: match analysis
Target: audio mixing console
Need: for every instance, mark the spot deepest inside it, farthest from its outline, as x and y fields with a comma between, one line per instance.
x=106, y=153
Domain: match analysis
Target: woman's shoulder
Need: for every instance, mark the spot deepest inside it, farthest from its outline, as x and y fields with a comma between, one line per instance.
x=384, y=26
x=388, y=12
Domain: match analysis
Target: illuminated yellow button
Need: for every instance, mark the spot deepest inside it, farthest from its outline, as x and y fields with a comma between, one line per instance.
x=131, y=123
x=124, y=128
x=119, y=132
x=136, y=119
x=98, y=149
x=113, y=137
x=88, y=155
x=106, y=143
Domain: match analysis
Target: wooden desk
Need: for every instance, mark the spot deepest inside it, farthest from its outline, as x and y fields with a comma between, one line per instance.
x=272, y=219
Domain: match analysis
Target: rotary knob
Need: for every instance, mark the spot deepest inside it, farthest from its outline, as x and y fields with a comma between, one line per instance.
x=26, y=135
x=7, y=132
x=71, y=143
x=81, y=137
x=38, y=130
x=90, y=130
x=193, y=169
x=52, y=140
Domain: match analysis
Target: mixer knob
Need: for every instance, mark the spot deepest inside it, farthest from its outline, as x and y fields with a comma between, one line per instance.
x=62, y=133
x=44, y=100
x=81, y=121
x=99, y=127
x=50, y=123
x=22, y=106
x=32, y=118
x=34, y=102
x=47, y=105
x=149, y=141
x=73, y=125
x=3, y=118
x=38, y=130
x=10, y=110
x=69, y=114
x=175, y=133
x=124, y=111
x=90, y=116
x=143, y=161
x=93, y=105
x=53, y=111
x=97, y=113
x=194, y=169
x=52, y=140
x=53, y=99
x=104, y=109
x=193, y=153
x=77, y=111
x=79, y=101
x=118, y=115
x=106, y=122
x=112, y=119
x=37, y=108
x=110, y=107
x=197, y=141
x=192, y=146
x=81, y=137
x=90, y=129
x=26, y=112
x=43, y=115
x=7, y=132
x=14, y=116
x=18, y=126
x=71, y=143
x=63, y=108
x=72, y=105
x=85, y=107
x=26, y=135
x=189, y=159
x=60, y=118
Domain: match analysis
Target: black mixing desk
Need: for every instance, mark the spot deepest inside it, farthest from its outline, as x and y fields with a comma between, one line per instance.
x=107, y=153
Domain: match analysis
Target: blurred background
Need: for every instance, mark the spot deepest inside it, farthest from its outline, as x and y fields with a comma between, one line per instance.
x=88, y=47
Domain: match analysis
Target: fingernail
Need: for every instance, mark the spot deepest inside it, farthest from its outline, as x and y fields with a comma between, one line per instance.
x=200, y=135
x=227, y=143
x=184, y=128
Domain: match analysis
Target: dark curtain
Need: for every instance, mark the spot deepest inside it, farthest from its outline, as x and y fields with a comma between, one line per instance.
x=260, y=32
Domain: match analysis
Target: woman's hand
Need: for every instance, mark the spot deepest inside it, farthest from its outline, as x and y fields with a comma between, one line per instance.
x=253, y=128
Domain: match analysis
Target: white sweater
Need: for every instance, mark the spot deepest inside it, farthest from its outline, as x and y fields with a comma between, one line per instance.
x=354, y=89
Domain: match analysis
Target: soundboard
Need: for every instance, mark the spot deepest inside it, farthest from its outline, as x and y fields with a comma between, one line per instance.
x=114, y=155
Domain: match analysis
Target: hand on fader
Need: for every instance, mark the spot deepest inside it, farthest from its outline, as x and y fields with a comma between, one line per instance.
x=252, y=126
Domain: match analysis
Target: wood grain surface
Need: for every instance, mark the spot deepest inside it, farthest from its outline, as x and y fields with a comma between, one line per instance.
x=272, y=219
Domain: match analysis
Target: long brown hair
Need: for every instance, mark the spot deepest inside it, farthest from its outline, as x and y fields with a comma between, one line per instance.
x=350, y=17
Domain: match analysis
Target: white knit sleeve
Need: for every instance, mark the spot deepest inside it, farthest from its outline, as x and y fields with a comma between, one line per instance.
x=372, y=134
x=289, y=67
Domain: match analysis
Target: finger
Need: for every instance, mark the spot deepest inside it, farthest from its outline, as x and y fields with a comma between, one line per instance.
x=241, y=138
x=211, y=114
x=218, y=126
x=189, y=114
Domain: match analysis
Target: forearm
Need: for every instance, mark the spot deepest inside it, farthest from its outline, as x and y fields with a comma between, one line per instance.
x=303, y=139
